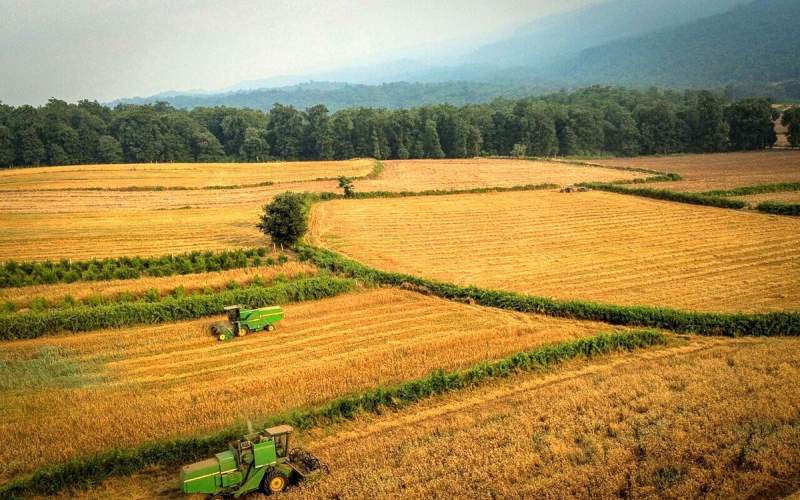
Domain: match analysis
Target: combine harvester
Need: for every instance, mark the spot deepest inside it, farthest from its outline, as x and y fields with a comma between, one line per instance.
x=243, y=321
x=259, y=462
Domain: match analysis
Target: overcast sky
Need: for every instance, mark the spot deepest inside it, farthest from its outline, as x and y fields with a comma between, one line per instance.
x=105, y=49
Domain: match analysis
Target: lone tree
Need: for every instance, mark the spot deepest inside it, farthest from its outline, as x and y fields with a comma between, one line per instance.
x=346, y=184
x=284, y=219
x=791, y=120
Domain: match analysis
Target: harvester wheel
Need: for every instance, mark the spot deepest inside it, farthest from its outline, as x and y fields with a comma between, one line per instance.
x=274, y=482
x=270, y=328
x=243, y=330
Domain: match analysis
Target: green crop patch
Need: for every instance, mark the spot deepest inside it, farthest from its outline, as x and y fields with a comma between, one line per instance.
x=49, y=367
x=779, y=208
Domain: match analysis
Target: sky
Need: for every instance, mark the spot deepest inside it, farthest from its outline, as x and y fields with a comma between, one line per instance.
x=107, y=49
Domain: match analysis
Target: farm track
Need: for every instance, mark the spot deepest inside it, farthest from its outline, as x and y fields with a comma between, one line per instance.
x=592, y=246
x=691, y=408
x=148, y=383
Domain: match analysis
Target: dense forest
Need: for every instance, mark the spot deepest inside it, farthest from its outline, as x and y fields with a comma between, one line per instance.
x=595, y=120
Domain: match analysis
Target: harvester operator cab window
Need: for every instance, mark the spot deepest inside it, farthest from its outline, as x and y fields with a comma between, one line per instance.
x=233, y=313
x=281, y=444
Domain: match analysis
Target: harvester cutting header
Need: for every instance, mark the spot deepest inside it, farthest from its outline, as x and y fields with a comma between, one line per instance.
x=243, y=321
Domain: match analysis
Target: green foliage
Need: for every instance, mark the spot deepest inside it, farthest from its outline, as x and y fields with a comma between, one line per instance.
x=778, y=187
x=791, y=120
x=49, y=367
x=702, y=323
x=169, y=309
x=24, y=273
x=346, y=185
x=664, y=194
x=90, y=471
x=591, y=121
x=779, y=208
x=284, y=219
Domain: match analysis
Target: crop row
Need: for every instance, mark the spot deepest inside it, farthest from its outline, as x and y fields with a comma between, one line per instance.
x=25, y=273
x=664, y=194
x=779, y=208
x=81, y=319
x=326, y=196
x=40, y=303
x=90, y=471
x=704, y=323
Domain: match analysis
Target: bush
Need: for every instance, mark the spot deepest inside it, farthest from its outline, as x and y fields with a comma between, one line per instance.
x=284, y=219
x=779, y=208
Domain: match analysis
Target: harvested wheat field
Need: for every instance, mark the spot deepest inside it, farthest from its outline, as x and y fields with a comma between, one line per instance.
x=129, y=386
x=420, y=175
x=708, y=172
x=115, y=233
x=182, y=175
x=48, y=202
x=593, y=246
x=703, y=417
x=81, y=291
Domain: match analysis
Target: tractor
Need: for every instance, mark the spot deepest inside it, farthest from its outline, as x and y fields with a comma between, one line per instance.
x=259, y=462
x=243, y=321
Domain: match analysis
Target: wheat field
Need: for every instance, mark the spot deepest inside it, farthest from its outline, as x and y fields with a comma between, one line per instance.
x=706, y=172
x=140, y=384
x=419, y=175
x=593, y=246
x=182, y=175
x=701, y=417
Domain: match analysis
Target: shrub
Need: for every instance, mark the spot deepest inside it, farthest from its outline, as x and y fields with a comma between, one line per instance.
x=284, y=219
x=778, y=208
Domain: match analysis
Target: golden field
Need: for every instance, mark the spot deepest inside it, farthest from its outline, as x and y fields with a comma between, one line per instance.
x=181, y=175
x=420, y=175
x=134, y=385
x=704, y=417
x=593, y=246
x=55, y=293
x=719, y=171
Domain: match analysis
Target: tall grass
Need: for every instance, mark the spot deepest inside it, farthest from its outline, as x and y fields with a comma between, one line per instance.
x=90, y=471
x=778, y=187
x=779, y=208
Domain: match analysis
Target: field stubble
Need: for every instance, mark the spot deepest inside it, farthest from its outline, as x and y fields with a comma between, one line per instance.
x=176, y=379
x=704, y=416
x=592, y=246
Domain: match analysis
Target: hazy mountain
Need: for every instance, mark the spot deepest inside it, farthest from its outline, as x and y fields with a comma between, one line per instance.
x=757, y=42
x=337, y=95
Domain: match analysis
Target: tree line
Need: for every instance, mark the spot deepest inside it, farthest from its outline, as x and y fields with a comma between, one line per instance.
x=595, y=120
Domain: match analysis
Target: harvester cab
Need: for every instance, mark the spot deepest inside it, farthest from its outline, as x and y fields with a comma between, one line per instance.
x=242, y=321
x=261, y=461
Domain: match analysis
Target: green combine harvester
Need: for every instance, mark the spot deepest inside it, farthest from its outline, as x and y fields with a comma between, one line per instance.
x=243, y=321
x=259, y=462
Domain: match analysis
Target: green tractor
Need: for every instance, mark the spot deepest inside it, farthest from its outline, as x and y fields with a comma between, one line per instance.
x=259, y=462
x=243, y=321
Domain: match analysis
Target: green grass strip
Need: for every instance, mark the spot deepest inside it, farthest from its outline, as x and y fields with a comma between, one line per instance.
x=25, y=273
x=779, y=208
x=82, y=319
x=778, y=187
x=664, y=194
x=360, y=195
x=703, y=323
x=87, y=472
